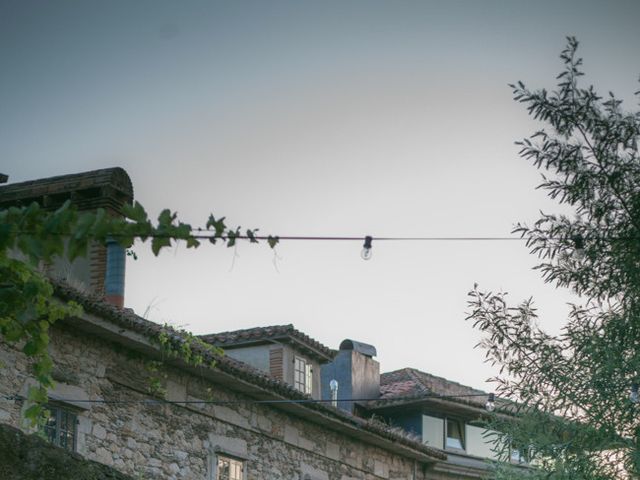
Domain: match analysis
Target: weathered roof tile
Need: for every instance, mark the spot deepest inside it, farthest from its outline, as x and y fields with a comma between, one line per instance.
x=410, y=385
x=288, y=332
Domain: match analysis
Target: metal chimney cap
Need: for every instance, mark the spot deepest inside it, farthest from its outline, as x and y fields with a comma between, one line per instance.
x=363, y=348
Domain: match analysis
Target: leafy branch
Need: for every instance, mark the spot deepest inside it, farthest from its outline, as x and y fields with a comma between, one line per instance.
x=573, y=388
x=32, y=237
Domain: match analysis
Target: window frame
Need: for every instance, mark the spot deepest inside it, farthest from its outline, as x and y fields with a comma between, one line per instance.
x=57, y=411
x=217, y=456
x=519, y=456
x=462, y=428
x=302, y=369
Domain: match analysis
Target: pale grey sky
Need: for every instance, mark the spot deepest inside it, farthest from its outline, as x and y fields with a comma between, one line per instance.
x=312, y=118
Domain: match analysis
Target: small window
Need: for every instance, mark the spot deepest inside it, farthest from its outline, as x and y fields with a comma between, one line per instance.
x=519, y=454
x=302, y=375
x=454, y=434
x=516, y=455
x=228, y=468
x=60, y=427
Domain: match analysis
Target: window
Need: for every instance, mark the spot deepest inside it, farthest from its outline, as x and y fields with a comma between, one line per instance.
x=519, y=454
x=228, y=468
x=302, y=375
x=60, y=427
x=454, y=435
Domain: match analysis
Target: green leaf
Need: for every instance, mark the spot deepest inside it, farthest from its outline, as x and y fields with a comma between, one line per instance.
x=231, y=238
x=182, y=231
x=77, y=248
x=30, y=348
x=220, y=227
x=251, y=234
x=166, y=218
x=158, y=242
x=192, y=242
x=135, y=212
x=37, y=394
x=33, y=413
x=272, y=241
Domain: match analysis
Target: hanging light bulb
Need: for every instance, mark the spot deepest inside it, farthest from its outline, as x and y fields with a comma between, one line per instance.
x=366, y=248
x=578, y=243
x=333, y=385
x=634, y=396
x=491, y=403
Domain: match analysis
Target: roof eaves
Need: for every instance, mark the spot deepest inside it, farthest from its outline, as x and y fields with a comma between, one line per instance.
x=503, y=407
x=256, y=335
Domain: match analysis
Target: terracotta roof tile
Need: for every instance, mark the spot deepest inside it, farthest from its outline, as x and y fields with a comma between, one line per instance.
x=410, y=384
x=399, y=389
x=272, y=332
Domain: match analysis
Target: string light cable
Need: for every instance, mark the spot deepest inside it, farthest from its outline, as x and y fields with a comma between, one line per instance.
x=577, y=241
x=490, y=405
x=203, y=234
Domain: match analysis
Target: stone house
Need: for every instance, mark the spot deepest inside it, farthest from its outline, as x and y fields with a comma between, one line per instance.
x=432, y=410
x=227, y=421
x=265, y=410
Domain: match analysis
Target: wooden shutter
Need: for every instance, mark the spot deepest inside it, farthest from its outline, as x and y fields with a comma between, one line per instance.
x=275, y=363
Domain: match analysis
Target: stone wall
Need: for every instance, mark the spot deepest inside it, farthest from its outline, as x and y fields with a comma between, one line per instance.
x=29, y=457
x=169, y=441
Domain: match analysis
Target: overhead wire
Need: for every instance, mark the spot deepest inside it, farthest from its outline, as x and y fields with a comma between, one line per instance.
x=202, y=236
x=256, y=402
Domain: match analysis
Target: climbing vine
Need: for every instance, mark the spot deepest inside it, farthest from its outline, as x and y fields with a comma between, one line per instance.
x=186, y=346
x=178, y=344
x=32, y=237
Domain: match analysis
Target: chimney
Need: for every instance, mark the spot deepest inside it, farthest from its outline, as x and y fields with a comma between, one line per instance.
x=357, y=374
x=114, y=274
x=102, y=271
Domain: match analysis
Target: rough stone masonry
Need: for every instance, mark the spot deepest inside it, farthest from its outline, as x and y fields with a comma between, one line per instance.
x=178, y=441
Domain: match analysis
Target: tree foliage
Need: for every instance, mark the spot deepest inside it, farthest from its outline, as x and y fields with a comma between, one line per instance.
x=573, y=388
x=31, y=237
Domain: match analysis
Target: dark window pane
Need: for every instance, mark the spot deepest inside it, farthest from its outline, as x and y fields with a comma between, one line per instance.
x=455, y=434
x=60, y=427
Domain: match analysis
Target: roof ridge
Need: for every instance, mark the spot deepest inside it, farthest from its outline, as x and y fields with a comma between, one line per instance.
x=242, y=330
x=451, y=382
x=415, y=374
x=232, y=337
